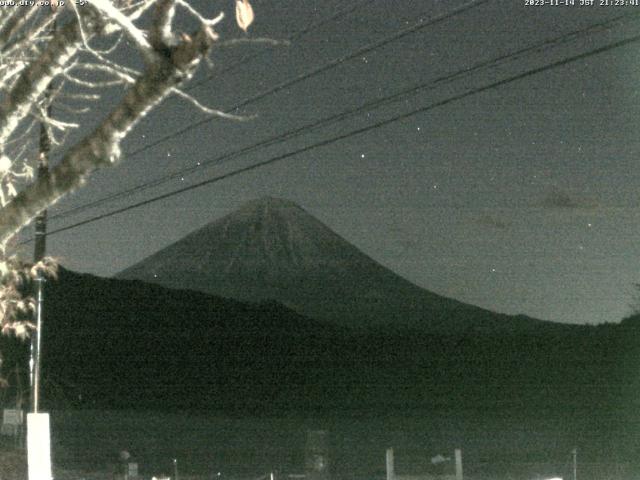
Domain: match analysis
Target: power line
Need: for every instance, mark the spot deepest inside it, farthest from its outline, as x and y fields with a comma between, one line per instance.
x=346, y=114
x=358, y=131
x=342, y=13
x=318, y=70
x=246, y=59
x=315, y=71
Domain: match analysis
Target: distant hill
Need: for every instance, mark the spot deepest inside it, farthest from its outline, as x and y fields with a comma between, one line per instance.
x=112, y=343
x=273, y=249
x=117, y=343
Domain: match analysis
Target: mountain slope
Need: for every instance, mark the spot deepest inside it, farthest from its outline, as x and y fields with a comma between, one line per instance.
x=273, y=249
x=127, y=344
x=131, y=344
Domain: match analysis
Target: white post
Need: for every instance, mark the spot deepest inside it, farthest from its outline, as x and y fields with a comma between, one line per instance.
x=38, y=446
x=391, y=475
x=458, y=464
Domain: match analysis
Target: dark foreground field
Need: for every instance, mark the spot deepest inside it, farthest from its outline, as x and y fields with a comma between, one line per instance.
x=494, y=444
x=516, y=403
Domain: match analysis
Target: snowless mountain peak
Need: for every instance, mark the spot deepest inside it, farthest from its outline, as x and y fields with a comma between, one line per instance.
x=272, y=249
x=270, y=203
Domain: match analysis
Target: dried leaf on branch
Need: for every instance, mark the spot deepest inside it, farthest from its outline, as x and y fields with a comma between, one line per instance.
x=244, y=14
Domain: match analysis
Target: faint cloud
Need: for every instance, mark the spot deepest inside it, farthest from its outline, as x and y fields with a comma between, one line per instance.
x=557, y=199
x=491, y=221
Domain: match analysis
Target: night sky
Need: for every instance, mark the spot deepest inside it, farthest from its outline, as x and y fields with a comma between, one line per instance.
x=521, y=198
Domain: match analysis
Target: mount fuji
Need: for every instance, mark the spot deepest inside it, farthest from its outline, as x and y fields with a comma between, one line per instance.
x=272, y=249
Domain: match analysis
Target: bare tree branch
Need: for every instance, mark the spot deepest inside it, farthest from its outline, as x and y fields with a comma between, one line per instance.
x=13, y=22
x=70, y=66
x=128, y=27
x=102, y=147
x=161, y=35
x=35, y=79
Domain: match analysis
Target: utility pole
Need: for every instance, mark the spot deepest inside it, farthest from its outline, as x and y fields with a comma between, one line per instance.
x=38, y=425
x=458, y=455
x=40, y=242
x=391, y=473
x=38, y=254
